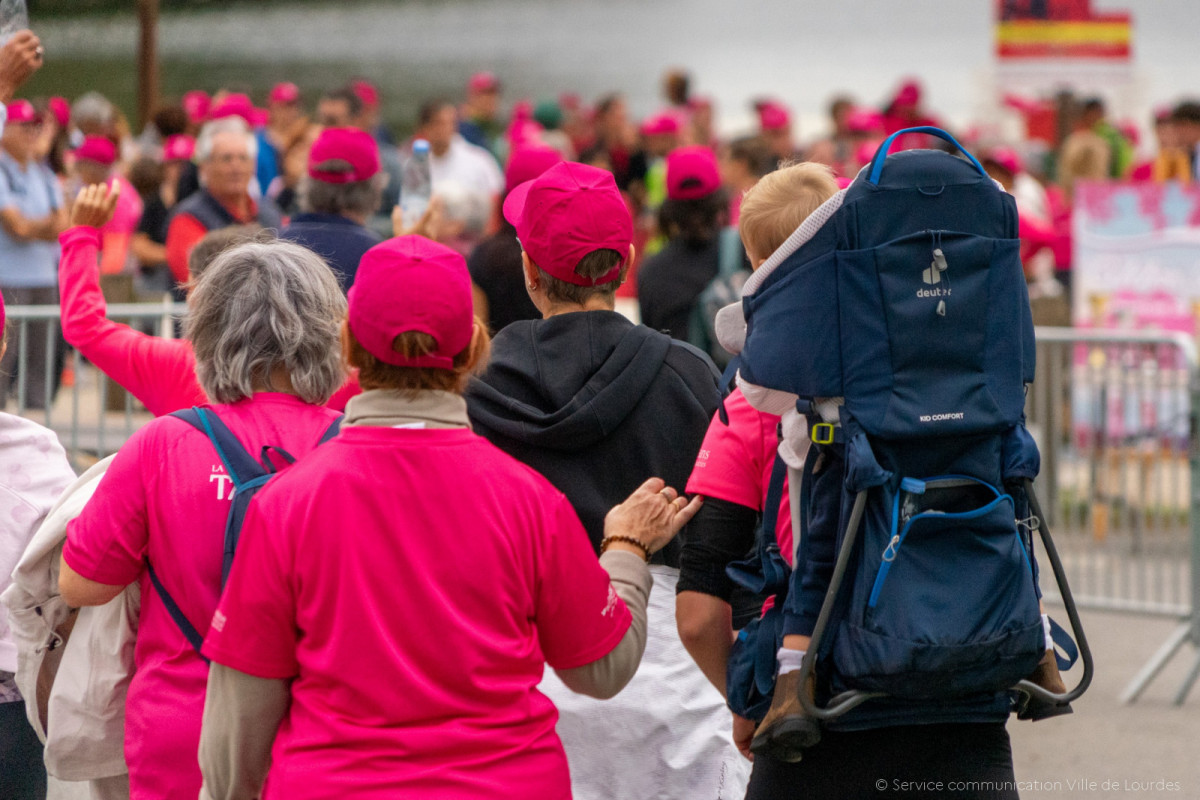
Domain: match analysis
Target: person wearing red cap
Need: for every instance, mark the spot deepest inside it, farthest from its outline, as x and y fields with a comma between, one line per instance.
x=692, y=217
x=32, y=213
x=597, y=404
x=905, y=111
x=94, y=160
x=487, y=560
x=775, y=129
x=263, y=320
x=495, y=264
x=287, y=127
x=338, y=194
x=479, y=120
x=225, y=152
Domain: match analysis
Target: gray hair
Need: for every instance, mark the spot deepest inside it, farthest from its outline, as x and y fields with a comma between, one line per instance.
x=92, y=110
x=359, y=197
x=204, y=142
x=262, y=307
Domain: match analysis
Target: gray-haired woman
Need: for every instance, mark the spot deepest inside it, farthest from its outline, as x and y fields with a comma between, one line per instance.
x=264, y=322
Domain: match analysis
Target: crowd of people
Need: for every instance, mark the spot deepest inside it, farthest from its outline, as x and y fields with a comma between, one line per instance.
x=482, y=465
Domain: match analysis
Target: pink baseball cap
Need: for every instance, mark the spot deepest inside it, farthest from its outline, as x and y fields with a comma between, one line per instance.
x=410, y=283
x=235, y=105
x=527, y=163
x=366, y=92
x=570, y=210
x=773, y=117
x=864, y=120
x=909, y=93
x=98, y=149
x=284, y=94
x=1006, y=158
x=179, y=147
x=692, y=173
x=22, y=112
x=197, y=104
x=61, y=109
x=483, y=82
x=660, y=125
x=355, y=147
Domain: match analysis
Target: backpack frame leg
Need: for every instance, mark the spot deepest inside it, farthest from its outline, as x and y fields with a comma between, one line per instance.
x=1064, y=590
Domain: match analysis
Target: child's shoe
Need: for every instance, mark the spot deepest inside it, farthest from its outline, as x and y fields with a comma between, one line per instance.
x=1047, y=676
x=787, y=730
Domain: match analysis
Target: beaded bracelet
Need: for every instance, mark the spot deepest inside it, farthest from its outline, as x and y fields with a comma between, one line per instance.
x=607, y=540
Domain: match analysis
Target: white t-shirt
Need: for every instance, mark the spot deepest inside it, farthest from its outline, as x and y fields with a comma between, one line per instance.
x=467, y=165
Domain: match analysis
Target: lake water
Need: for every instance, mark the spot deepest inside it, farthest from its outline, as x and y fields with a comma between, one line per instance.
x=801, y=51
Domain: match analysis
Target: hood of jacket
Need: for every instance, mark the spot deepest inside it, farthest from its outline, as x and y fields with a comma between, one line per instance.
x=566, y=382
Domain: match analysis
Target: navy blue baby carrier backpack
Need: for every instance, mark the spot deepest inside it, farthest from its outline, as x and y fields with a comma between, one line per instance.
x=249, y=475
x=905, y=296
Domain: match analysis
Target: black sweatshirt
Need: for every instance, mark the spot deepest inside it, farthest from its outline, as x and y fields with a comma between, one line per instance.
x=597, y=405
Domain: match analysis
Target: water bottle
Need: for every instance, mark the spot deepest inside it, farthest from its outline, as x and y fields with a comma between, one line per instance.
x=416, y=185
x=13, y=17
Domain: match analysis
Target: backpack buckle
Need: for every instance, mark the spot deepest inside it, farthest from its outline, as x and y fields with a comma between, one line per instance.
x=822, y=433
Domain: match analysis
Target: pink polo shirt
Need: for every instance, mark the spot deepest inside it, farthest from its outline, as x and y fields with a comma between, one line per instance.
x=414, y=583
x=165, y=498
x=735, y=463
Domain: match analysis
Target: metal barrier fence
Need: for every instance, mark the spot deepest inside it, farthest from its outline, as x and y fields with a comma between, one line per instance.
x=79, y=413
x=1115, y=415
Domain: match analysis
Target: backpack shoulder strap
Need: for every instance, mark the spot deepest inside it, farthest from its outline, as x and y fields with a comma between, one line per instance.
x=240, y=465
x=331, y=431
x=181, y=621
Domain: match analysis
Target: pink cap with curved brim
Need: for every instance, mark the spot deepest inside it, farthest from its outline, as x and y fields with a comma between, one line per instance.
x=284, y=94
x=483, y=82
x=179, y=147
x=692, y=173
x=97, y=149
x=1006, y=158
x=660, y=125
x=909, y=93
x=351, y=145
x=61, y=109
x=21, y=112
x=567, y=212
x=527, y=163
x=236, y=105
x=196, y=104
x=410, y=283
x=773, y=117
x=366, y=92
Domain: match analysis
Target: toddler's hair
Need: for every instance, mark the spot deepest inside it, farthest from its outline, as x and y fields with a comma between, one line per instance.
x=775, y=206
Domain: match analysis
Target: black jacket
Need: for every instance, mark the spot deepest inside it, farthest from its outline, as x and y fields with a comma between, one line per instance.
x=597, y=405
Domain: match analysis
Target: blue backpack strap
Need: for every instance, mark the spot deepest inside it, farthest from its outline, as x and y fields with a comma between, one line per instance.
x=775, y=569
x=881, y=153
x=240, y=465
x=331, y=431
x=1063, y=641
x=727, y=381
x=181, y=621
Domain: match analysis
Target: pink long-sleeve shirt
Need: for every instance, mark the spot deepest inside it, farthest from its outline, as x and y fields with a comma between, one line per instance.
x=161, y=373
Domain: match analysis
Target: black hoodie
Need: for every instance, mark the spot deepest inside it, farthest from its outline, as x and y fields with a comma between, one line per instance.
x=597, y=405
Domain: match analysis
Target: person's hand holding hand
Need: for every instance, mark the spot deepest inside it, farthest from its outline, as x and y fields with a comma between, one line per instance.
x=20, y=57
x=652, y=515
x=743, y=732
x=95, y=204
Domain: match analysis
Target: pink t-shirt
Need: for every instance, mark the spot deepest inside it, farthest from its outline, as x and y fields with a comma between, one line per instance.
x=165, y=498
x=735, y=463
x=414, y=583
